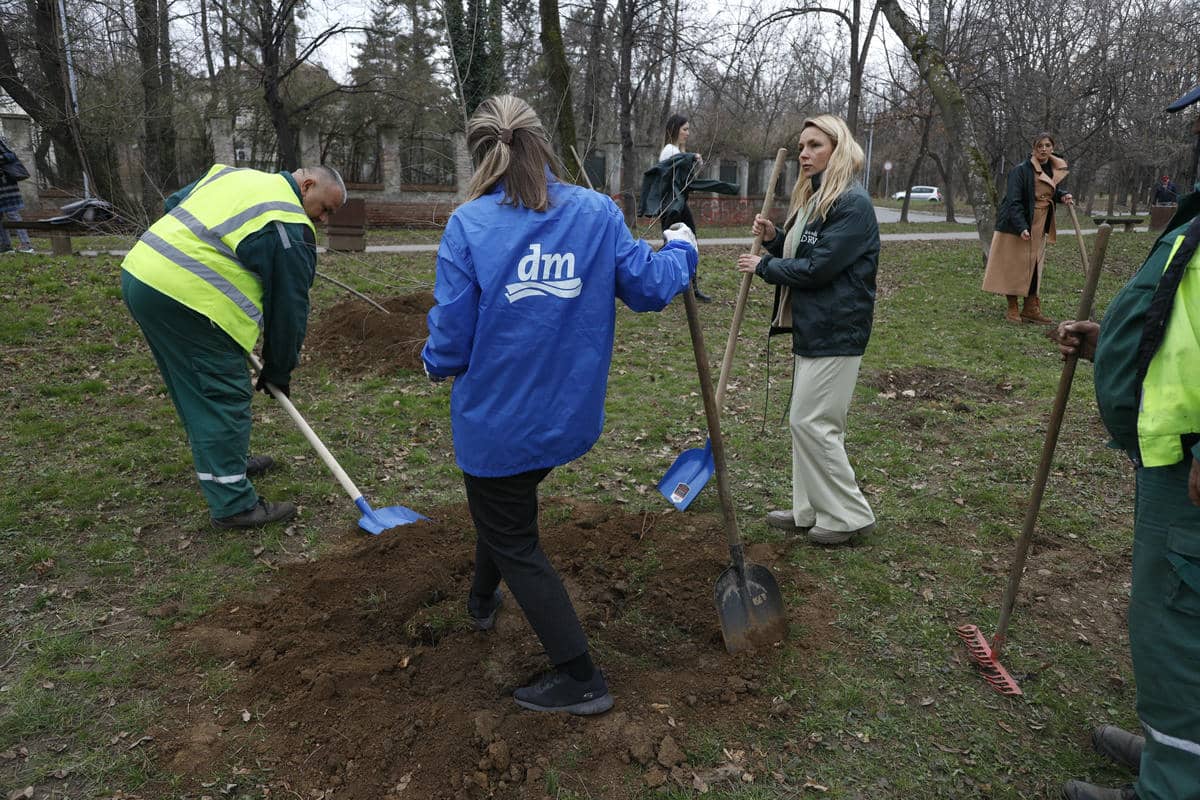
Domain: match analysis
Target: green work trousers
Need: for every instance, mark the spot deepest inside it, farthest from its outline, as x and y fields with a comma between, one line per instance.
x=209, y=383
x=1164, y=632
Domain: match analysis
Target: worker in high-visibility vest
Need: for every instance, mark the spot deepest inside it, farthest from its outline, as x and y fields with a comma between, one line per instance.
x=233, y=257
x=1147, y=355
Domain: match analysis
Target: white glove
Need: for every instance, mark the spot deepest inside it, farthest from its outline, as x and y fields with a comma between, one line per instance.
x=681, y=233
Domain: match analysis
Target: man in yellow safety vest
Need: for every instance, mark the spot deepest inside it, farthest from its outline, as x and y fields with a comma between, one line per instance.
x=233, y=257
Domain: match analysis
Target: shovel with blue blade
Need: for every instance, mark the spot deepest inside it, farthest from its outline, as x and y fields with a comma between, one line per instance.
x=373, y=520
x=692, y=469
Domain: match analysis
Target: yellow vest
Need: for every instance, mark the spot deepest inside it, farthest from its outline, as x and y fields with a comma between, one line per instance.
x=1170, y=403
x=190, y=254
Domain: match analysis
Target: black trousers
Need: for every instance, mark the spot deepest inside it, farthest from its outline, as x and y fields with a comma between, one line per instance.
x=505, y=511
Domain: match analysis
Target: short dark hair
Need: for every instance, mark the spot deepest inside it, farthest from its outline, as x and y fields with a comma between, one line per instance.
x=674, y=123
x=1044, y=135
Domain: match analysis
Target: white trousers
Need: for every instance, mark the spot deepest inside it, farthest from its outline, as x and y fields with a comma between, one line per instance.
x=824, y=491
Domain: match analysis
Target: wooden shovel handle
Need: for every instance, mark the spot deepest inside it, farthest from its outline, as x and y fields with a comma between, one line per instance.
x=744, y=290
x=713, y=417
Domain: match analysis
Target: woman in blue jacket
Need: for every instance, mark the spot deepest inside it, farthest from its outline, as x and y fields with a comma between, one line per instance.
x=527, y=272
x=826, y=258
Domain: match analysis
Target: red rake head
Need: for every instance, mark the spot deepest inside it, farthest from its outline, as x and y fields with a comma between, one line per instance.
x=986, y=660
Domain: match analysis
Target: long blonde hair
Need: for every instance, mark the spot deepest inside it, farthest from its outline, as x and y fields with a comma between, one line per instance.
x=845, y=164
x=507, y=142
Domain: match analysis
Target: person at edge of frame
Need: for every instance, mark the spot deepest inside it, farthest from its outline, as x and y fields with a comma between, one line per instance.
x=1147, y=356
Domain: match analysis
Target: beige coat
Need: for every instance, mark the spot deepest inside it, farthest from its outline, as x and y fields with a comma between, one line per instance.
x=1012, y=260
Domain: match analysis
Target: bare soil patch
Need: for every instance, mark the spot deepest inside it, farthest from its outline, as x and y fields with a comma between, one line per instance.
x=358, y=675
x=933, y=383
x=355, y=338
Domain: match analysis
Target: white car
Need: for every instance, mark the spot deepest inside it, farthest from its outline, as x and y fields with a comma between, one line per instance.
x=929, y=193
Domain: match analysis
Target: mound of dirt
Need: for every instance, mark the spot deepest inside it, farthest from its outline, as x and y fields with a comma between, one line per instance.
x=357, y=676
x=933, y=383
x=355, y=338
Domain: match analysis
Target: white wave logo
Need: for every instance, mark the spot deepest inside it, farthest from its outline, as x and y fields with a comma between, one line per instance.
x=544, y=274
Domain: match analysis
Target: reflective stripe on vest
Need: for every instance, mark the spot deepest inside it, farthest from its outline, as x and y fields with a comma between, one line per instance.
x=190, y=254
x=1170, y=401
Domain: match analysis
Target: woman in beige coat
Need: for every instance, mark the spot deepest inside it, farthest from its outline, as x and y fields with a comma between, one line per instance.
x=1024, y=223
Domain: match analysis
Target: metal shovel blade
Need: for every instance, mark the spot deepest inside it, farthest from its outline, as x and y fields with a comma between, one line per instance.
x=687, y=476
x=750, y=607
x=377, y=520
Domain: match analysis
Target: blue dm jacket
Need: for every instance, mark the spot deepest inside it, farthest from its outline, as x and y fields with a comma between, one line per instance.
x=524, y=316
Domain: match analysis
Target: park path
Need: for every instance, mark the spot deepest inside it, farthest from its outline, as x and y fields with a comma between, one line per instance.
x=881, y=214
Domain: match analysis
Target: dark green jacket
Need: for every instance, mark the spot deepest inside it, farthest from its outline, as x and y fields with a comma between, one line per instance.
x=1118, y=359
x=1015, y=214
x=832, y=278
x=287, y=272
x=665, y=187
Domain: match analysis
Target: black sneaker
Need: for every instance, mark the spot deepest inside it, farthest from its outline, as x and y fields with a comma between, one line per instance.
x=1078, y=790
x=558, y=691
x=702, y=297
x=261, y=513
x=483, y=616
x=257, y=465
x=1119, y=745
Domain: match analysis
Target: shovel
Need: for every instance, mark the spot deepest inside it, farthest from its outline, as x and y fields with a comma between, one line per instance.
x=373, y=520
x=747, y=596
x=692, y=469
x=985, y=655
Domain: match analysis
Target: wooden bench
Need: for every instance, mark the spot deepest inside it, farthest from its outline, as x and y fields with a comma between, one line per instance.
x=58, y=233
x=1128, y=222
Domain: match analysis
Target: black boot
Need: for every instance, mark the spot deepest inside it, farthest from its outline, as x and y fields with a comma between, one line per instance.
x=1119, y=746
x=1078, y=790
x=701, y=296
x=261, y=513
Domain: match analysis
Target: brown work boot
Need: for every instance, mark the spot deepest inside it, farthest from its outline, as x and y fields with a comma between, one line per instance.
x=264, y=512
x=1032, y=312
x=1014, y=311
x=1119, y=746
x=1078, y=790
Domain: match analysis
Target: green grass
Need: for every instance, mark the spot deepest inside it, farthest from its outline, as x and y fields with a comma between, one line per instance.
x=102, y=527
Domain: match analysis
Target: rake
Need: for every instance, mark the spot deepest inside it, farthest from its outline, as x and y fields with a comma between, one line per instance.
x=985, y=655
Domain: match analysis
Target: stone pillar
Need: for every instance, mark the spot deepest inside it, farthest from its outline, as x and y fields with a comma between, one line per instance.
x=743, y=173
x=764, y=173
x=389, y=162
x=220, y=133
x=310, y=146
x=19, y=132
x=790, y=173
x=463, y=168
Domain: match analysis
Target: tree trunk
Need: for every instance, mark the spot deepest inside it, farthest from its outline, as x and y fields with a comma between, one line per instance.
x=147, y=32
x=558, y=75
x=625, y=12
x=168, y=172
x=960, y=128
x=926, y=124
x=207, y=43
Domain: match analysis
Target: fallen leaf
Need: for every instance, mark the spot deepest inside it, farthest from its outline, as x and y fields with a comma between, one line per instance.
x=809, y=783
x=927, y=701
x=140, y=741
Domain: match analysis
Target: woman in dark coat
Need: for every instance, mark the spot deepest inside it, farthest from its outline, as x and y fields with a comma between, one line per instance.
x=826, y=255
x=1024, y=224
